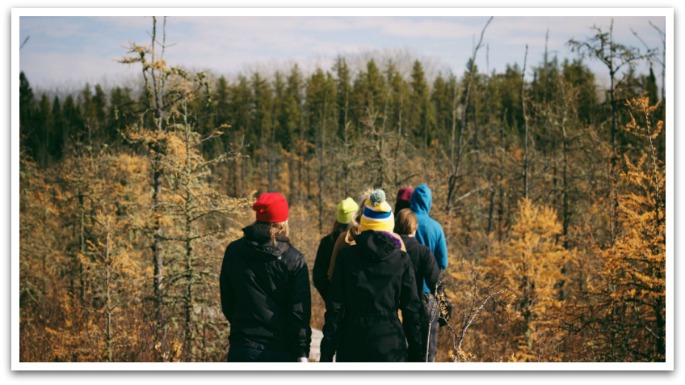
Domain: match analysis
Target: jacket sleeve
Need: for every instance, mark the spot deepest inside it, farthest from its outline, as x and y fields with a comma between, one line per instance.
x=441, y=251
x=411, y=308
x=225, y=288
x=431, y=272
x=301, y=307
x=334, y=311
x=321, y=264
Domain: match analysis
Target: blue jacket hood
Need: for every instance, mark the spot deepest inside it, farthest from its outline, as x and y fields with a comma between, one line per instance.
x=421, y=200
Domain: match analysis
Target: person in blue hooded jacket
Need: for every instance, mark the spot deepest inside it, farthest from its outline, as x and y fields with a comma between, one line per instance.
x=430, y=234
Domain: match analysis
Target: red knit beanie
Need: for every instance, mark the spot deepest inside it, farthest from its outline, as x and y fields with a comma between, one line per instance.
x=405, y=194
x=271, y=207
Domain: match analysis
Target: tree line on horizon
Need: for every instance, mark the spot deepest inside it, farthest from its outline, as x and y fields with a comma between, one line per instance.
x=551, y=192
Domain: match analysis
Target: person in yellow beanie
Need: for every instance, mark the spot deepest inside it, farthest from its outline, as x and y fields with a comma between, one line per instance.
x=346, y=210
x=344, y=213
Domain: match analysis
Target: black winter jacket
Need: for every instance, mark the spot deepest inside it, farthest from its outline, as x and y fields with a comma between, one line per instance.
x=265, y=293
x=423, y=261
x=372, y=280
x=322, y=263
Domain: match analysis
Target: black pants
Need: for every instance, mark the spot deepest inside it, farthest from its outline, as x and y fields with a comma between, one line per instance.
x=430, y=325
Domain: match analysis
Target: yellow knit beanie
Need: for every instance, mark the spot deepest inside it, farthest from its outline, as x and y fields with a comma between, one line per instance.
x=346, y=210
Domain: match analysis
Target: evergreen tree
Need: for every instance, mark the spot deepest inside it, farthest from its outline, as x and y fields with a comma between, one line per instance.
x=320, y=115
x=420, y=110
x=27, y=107
x=579, y=75
x=57, y=141
x=294, y=92
x=44, y=127
x=120, y=114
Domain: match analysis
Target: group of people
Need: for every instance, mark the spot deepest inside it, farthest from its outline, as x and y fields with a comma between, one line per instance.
x=374, y=265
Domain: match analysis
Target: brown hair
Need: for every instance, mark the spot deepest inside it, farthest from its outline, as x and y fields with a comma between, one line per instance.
x=338, y=228
x=406, y=222
x=356, y=218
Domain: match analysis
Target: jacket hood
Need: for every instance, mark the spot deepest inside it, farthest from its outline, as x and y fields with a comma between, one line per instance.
x=421, y=200
x=376, y=245
x=258, y=237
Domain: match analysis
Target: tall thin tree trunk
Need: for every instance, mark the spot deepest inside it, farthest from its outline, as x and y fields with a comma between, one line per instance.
x=292, y=186
x=500, y=178
x=381, y=135
x=156, y=104
x=398, y=145
x=491, y=212
x=346, y=144
x=525, y=126
x=82, y=246
x=108, y=298
x=188, y=237
x=565, y=187
x=613, y=196
x=346, y=151
x=322, y=157
x=272, y=154
x=300, y=173
x=454, y=125
x=456, y=165
x=158, y=259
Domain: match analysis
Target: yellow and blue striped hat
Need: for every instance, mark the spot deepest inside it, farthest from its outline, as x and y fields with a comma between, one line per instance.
x=377, y=214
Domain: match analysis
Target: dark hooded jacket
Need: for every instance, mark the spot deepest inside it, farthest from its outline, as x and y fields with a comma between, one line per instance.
x=425, y=268
x=265, y=293
x=322, y=263
x=372, y=280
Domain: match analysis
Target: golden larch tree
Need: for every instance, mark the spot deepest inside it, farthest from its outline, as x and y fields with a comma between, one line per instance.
x=635, y=267
x=529, y=267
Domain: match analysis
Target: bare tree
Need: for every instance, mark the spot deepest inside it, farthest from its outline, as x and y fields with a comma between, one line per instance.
x=456, y=158
x=615, y=56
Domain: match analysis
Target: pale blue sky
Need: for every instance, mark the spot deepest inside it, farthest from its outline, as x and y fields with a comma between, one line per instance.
x=68, y=51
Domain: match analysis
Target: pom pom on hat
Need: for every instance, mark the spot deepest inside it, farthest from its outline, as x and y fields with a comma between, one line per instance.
x=346, y=210
x=271, y=207
x=377, y=213
x=377, y=197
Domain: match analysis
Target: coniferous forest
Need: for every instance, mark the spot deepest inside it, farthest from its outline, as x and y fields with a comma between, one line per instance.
x=550, y=189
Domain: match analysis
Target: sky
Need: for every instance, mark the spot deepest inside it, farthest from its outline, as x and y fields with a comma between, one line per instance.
x=72, y=48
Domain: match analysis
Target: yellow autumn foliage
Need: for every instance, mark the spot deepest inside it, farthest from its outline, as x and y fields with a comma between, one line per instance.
x=529, y=267
x=635, y=265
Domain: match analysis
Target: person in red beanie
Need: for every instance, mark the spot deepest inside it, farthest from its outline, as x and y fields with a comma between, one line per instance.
x=265, y=293
x=271, y=208
x=402, y=200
